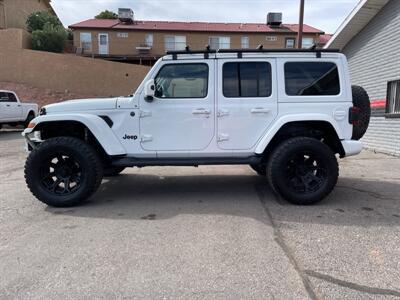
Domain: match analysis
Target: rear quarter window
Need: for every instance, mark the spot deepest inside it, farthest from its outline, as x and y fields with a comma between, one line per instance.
x=312, y=79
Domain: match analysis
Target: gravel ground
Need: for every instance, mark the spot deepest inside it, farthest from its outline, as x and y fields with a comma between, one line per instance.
x=202, y=233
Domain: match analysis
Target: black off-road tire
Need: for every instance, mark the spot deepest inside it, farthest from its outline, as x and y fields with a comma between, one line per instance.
x=112, y=171
x=259, y=169
x=29, y=118
x=280, y=174
x=361, y=101
x=90, y=170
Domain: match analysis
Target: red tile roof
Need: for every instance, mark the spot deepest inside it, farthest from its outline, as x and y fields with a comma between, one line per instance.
x=190, y=26
x=324, y=38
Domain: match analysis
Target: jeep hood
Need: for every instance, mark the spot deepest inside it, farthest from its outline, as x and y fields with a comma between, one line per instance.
x=82, y=105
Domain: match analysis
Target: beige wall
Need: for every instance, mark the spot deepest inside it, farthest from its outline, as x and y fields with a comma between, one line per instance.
x=15, y=12
x=127, y=46
x=61, y=72
x=15, y=38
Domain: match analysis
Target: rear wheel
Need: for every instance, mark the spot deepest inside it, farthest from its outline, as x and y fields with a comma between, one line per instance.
x=303, y=170
x=63, y=171
x=29, y=118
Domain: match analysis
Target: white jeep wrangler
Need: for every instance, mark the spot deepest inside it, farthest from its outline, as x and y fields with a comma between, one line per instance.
x=285, y=113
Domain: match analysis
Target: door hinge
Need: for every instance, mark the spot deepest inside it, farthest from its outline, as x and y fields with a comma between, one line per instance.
x=146, y=138
x=145, y=113
x=223, y=137
x=223, y=112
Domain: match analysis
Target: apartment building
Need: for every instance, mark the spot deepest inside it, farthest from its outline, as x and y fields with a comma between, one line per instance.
x=145, y=41
x=13, y=13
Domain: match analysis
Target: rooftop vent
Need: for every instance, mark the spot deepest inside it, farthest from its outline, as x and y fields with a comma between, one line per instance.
x=274, y=19
x=125, y=15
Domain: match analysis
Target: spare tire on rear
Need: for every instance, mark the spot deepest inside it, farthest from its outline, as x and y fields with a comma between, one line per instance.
x=361, y=101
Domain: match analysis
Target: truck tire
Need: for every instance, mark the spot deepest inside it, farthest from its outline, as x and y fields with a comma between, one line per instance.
x=302, y=170
x=112, y=171
x=63, y=171
x=259, y=169
x=361, y=101
x=29, y=118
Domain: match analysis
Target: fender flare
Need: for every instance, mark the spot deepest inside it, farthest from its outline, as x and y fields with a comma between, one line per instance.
x=279, y=123
x=97, y=126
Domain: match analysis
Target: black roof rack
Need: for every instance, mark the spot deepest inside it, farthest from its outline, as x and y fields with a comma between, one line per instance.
x=240, y=52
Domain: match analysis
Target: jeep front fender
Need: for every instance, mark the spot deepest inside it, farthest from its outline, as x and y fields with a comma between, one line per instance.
x=97, y=126
x=279, y=123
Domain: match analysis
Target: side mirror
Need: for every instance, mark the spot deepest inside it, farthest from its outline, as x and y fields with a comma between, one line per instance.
x=149, y=90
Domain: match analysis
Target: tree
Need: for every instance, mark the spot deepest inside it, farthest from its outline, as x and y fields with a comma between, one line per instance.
x=51, y=38
x=37, y=20
x=106, y=14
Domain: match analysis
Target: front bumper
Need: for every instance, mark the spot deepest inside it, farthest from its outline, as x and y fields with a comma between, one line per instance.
x=352, y=147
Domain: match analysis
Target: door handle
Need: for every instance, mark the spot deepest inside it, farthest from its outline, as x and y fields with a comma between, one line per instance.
x=260, y=110
x=201, y=111
x=8, y=105
x=19, y=105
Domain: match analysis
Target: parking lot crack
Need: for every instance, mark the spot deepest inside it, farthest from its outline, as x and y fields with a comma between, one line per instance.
x=352, y=285
x=370, y=193
x=285, y=248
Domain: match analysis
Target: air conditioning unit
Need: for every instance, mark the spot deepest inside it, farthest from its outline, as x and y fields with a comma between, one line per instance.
x=126, y=15
x=274, y=19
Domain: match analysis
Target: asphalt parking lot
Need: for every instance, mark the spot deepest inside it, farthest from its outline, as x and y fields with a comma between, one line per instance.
x=202, y=233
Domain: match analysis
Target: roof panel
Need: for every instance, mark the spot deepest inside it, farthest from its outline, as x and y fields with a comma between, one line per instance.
x=191, y=26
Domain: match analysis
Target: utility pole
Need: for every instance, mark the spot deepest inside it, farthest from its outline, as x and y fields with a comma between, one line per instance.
x=301, y=23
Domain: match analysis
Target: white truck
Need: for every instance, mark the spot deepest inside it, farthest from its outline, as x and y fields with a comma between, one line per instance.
x=286, y=113
x=13, y=112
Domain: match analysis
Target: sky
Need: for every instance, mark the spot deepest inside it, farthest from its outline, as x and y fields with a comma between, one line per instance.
x=326, y=15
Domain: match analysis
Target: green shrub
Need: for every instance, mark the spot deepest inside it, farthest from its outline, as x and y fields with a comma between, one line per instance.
x=37, y=20
x=51, y=38
x=107, y=15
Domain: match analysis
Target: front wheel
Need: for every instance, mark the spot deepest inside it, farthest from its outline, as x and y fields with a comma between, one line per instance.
x=63, y=171
x=303, y=170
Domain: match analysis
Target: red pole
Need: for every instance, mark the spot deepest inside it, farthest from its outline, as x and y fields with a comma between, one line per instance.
x=301, y=23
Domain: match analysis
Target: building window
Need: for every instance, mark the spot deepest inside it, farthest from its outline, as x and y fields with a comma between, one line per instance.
x=271, y=38
x=247, y=79
x=393, y=98
x=182, y=81
x=290, y=43
x=307, y=43
x=148, y=40
x=123, y=35
x=245, y=42
x=311, y=79
x=219, y=42
x=175, y=42
x=86, y=41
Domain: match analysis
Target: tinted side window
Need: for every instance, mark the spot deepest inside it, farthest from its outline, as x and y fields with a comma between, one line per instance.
x=11, y=97
x=3, y=97
x=249, y=79
x=182, y=81
x=311, y=79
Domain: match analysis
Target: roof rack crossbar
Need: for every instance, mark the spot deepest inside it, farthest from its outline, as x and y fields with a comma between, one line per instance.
x=207, y=51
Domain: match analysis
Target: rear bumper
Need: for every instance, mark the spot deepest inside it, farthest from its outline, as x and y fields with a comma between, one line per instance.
x=352, y=147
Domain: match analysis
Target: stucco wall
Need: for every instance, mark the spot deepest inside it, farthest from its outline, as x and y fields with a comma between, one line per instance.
x=61, y=72
x=15, y=38
x=17, y=11
x=374, y=59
